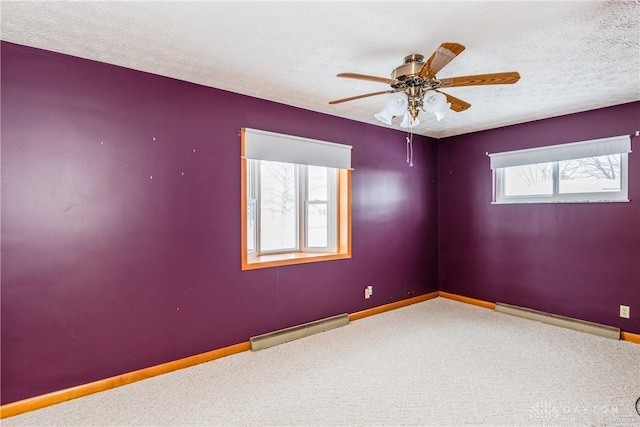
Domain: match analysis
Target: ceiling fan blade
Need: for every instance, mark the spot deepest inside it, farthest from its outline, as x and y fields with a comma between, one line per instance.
x=338, y=101
x=457, y=104
x=482, y=79
x=366, y=77
x=441, y=57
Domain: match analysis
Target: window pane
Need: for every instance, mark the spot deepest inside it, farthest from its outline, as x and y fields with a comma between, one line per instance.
x=590, y=175
x=251, y=226
x=317, y=225
x=317, y=183
x=251, y=207
x=529, y=180
x=278, y=207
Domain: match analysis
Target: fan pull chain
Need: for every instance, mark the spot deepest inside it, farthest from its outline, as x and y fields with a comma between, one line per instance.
x=410, y=147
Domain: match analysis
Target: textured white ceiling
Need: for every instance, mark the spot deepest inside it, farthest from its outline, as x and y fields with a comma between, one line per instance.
x=572, y=56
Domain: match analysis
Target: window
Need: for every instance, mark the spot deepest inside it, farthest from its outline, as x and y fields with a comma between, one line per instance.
x=589, y=171
x=295, y=200
x=290, y=208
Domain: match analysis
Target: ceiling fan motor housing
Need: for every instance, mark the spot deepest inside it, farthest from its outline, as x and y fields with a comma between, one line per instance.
x=412, y=65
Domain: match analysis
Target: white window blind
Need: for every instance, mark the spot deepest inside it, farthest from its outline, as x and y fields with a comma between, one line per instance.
x=263, y=145
x=575, y=150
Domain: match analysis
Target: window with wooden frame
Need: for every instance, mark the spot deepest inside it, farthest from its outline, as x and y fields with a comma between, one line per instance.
x=296, y=203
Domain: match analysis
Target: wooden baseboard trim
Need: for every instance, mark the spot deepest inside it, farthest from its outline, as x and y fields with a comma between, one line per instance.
x=478, y=302
x=628, y=336
x=42, y=401
x=624, y=336
x=391, y=306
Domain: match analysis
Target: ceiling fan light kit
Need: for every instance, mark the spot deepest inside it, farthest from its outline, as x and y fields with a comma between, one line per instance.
x=416, y=80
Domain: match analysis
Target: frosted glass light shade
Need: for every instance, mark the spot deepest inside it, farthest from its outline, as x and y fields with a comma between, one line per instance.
x=408, y=121
x=434, y=101
x=384, y=116
x=442, y=112
x=397, y=105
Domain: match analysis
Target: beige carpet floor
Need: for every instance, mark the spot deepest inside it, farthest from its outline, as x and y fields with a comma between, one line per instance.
x=439, y=362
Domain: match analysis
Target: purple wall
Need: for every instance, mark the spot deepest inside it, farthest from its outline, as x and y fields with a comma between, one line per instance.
x=577, y=260
x=105, y=270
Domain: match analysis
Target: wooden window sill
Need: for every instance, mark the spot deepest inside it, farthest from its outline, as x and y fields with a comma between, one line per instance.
x=277, y=260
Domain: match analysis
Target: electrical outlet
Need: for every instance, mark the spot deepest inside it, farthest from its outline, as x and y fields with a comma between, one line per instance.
x=625, y=311
x=368, y=291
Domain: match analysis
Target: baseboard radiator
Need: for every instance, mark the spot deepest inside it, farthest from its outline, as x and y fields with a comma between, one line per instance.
x=300, y=331
x=562, y=321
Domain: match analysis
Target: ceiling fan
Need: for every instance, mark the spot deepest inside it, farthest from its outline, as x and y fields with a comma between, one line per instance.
x=417, y=80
